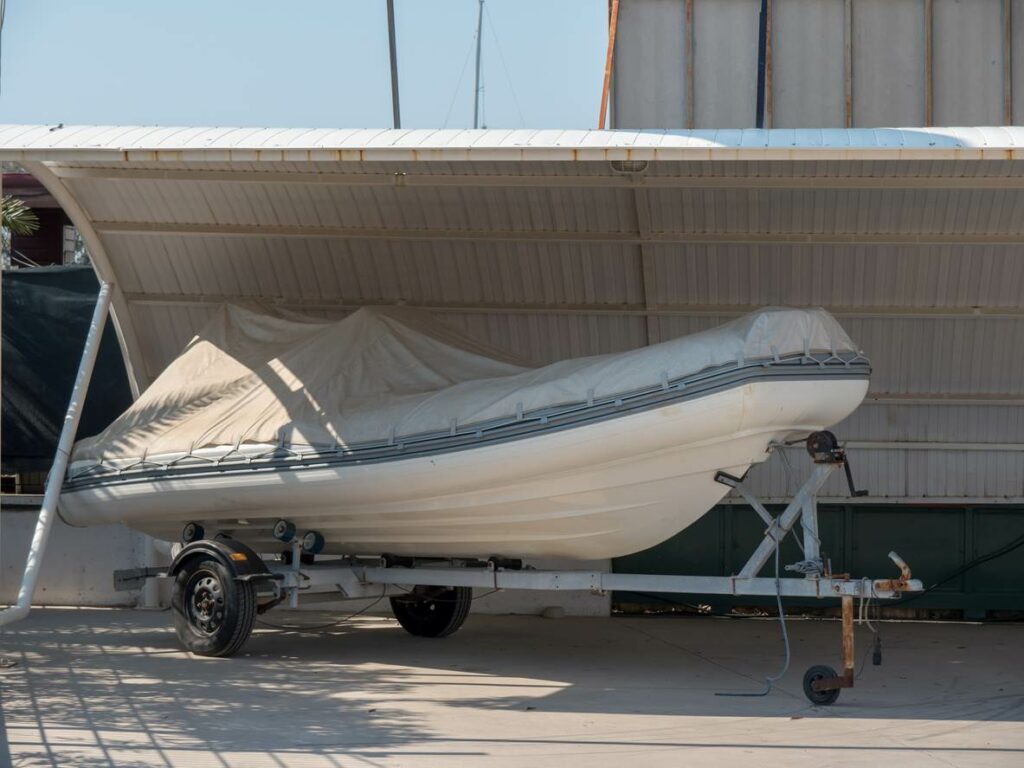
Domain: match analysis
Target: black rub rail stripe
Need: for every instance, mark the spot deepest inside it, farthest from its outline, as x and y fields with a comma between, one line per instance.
x=404, y=448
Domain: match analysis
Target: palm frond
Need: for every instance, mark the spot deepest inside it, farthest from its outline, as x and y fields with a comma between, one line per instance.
x=17, y=216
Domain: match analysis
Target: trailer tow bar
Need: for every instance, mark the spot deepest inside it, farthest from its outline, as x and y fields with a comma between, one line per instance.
x=821, y=683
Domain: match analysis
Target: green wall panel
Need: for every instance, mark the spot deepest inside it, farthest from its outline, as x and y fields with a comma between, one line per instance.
x=935, y=541
x=993, y=528
x=930, y=540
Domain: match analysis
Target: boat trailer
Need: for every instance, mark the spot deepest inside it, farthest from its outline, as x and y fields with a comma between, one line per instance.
x=220, y=585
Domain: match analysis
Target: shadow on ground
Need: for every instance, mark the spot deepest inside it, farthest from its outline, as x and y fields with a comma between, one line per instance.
x=113, y=688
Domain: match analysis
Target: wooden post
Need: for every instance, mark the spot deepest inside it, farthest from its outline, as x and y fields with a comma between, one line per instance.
x=613, y=22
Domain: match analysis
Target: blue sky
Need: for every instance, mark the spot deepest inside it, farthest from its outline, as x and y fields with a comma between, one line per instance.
x=304, y=63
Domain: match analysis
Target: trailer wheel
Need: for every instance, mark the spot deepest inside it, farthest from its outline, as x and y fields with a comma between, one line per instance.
x=213, y=612
x=432, y=611
x=822, y=698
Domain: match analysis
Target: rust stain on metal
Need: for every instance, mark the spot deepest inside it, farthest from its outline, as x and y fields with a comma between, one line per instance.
x=848, y=660
x=901, y=584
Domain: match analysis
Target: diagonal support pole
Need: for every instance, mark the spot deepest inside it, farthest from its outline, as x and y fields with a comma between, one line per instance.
x=55, y=480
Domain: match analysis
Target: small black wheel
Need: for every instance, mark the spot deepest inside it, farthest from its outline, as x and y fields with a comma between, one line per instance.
x=313, y=543
x=820, y=672
x=284, y=530
x=192, y=532
x=213, y=613
x=432, y=611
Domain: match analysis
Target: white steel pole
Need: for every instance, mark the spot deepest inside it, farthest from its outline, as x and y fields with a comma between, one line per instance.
x=55, y=481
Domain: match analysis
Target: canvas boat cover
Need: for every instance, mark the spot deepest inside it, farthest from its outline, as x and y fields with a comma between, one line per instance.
x=258, y=378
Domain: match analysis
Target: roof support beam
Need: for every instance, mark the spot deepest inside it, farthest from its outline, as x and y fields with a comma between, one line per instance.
x=425, y=179
x=471, y=235
x=654, y=310
x=643, y=225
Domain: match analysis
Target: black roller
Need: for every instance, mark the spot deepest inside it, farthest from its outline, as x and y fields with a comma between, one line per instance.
x=192, y=532
x=313, y=543
x=284, y=530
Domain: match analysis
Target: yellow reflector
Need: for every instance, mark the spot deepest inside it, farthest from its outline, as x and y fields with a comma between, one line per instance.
x=238, y=556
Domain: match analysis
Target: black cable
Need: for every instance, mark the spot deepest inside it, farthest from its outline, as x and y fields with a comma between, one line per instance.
x=980, y=560
x=874, y=632
x=414, y=598
x=315, y=628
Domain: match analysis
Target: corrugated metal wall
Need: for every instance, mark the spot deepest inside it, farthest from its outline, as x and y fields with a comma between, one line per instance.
x=831, y=63
x=942, y=322
x=945, y=418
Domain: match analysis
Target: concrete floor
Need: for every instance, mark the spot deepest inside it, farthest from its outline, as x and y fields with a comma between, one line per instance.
x=111, y=688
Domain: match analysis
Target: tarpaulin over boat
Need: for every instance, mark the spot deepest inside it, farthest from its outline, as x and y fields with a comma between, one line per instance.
x=381, y=374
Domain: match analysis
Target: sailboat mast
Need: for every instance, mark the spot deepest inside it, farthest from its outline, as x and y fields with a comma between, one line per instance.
x=396, y=112
x=476, y=91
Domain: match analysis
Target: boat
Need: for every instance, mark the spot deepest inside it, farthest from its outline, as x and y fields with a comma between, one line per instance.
x=390, y=432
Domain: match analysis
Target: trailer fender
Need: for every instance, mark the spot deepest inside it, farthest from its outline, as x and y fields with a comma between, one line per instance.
x=242, y=563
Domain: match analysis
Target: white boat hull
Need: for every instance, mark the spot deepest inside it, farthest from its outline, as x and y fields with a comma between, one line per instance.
x=597, y=490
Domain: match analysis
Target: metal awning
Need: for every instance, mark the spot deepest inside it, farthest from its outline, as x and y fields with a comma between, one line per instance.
x=142, y=143
x=181, y=217
x=561, y=243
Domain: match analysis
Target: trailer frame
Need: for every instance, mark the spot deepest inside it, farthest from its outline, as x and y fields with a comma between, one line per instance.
x=296, y=576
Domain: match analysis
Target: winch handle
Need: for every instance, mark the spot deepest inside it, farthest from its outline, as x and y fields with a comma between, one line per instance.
x=849, y=480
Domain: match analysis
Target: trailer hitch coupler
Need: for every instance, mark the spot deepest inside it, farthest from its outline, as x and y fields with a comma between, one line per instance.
x=902, y=565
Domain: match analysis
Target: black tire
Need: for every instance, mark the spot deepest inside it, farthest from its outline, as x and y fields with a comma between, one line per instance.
x=213, y=612
x=821, y=698
x=432, y=611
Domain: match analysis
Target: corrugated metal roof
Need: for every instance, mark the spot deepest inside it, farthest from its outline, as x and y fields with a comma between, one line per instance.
x=500, y=144
x=532, y=240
